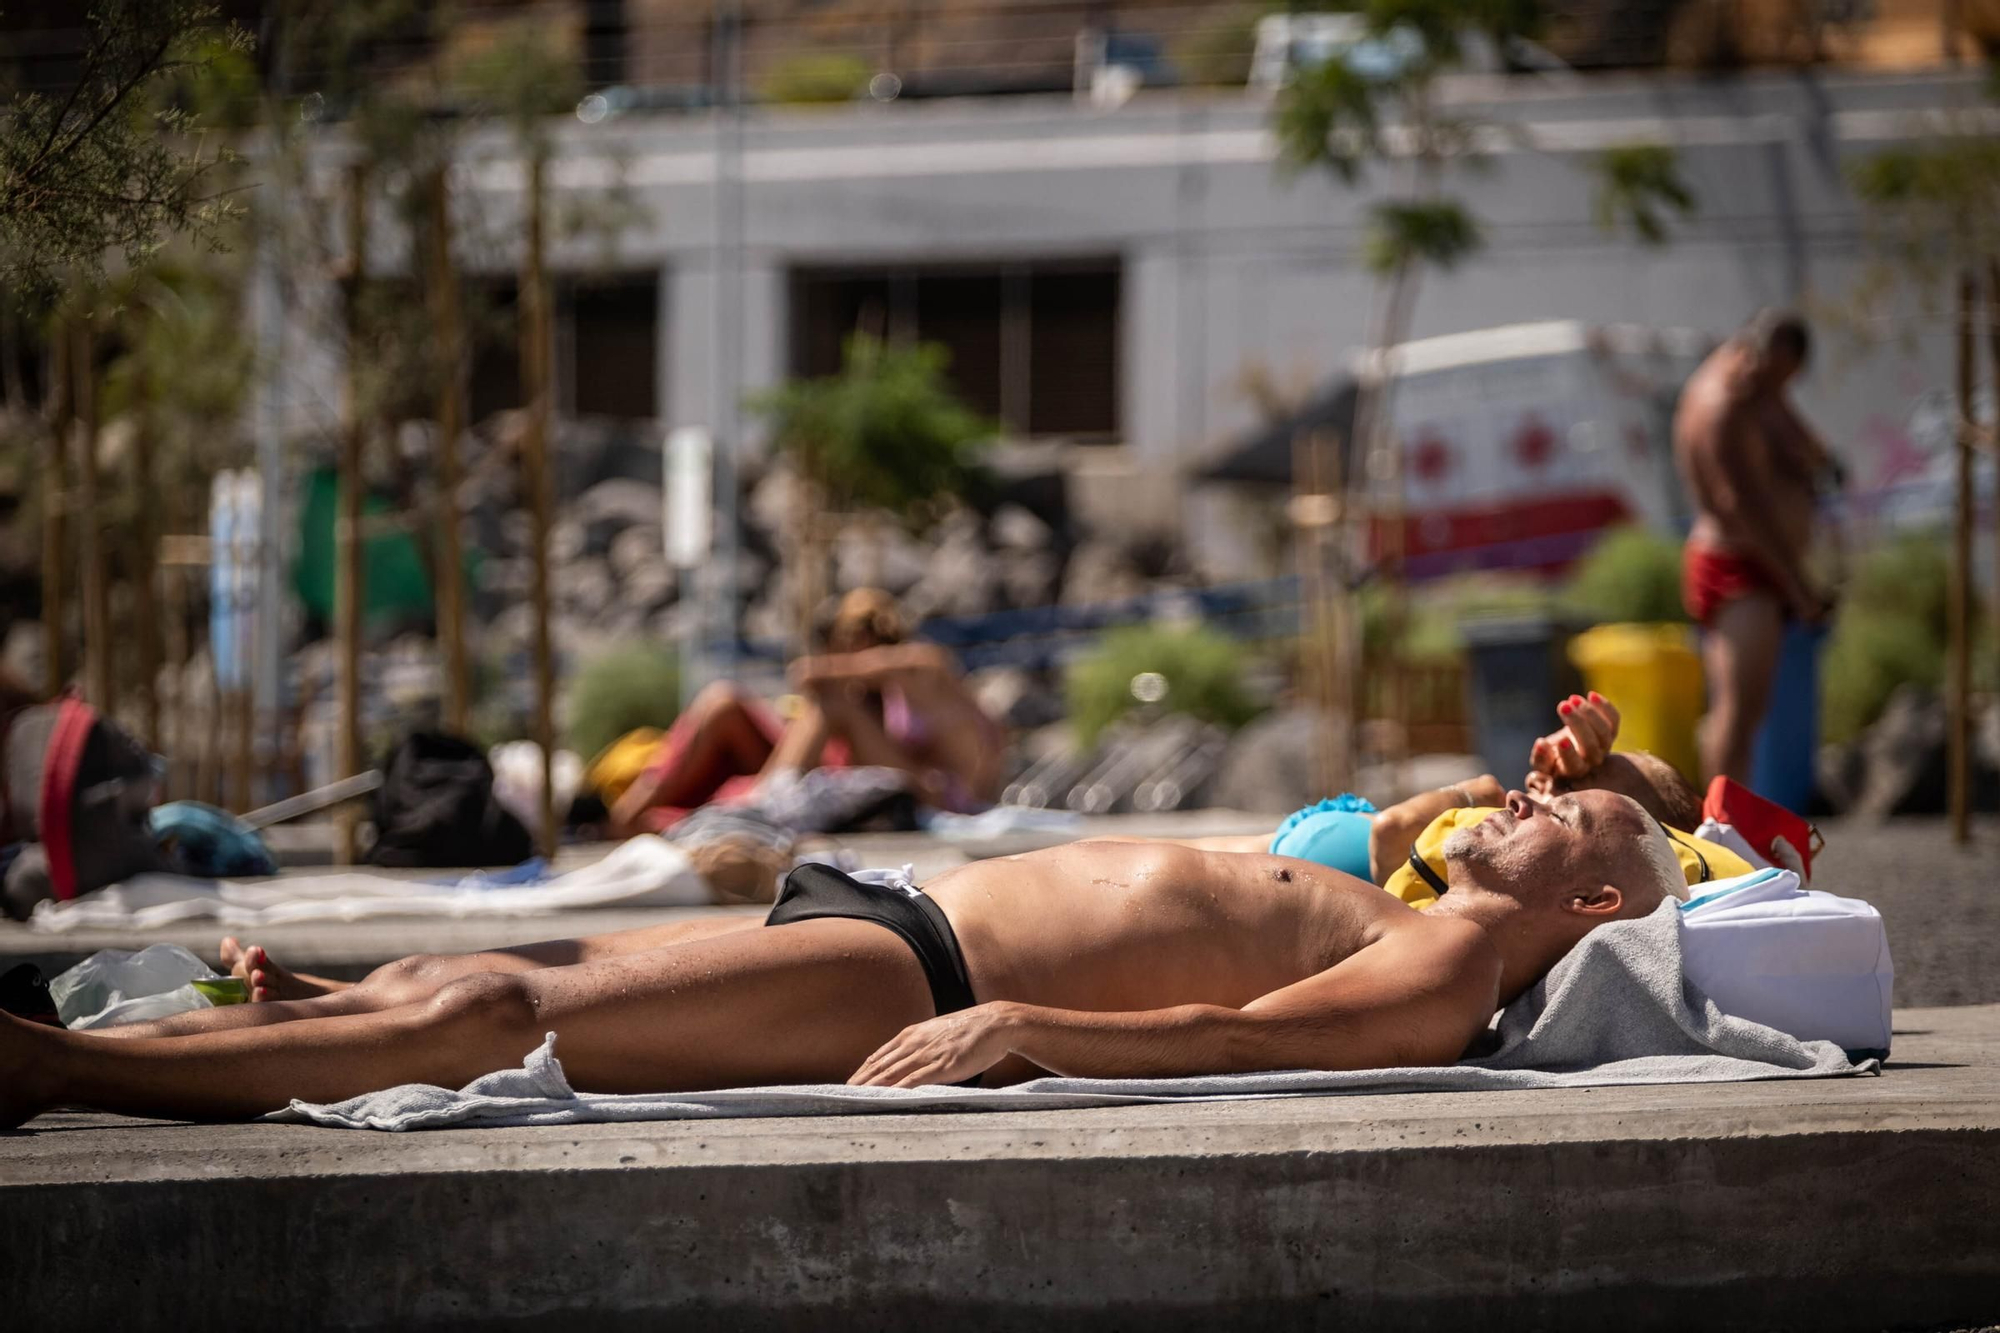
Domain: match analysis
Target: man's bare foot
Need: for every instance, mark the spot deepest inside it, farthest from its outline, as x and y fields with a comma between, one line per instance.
x=267, y=980
x=22, y=1075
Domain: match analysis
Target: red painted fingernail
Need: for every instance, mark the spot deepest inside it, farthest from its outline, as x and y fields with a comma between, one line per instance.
x=1564, y=742
x=1565, y=707
x=1596, y=698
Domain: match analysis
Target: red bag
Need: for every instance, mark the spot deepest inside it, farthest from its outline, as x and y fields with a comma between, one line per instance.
x=1761, y=822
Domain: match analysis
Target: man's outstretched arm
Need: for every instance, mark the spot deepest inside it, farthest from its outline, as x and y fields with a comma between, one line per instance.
x=1415, y=998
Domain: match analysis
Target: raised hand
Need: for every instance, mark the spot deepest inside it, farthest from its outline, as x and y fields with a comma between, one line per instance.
x=1590, y=726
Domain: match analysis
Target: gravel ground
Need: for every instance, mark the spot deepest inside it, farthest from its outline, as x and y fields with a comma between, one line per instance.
x=1941, y=904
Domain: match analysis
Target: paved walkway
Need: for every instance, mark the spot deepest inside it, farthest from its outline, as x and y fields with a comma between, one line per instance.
x=1838, y=1204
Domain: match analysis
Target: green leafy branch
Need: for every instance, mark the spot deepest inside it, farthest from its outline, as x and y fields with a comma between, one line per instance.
x=108, y=167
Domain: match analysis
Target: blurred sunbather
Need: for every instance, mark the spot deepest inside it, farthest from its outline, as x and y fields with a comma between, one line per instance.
x=872, y=698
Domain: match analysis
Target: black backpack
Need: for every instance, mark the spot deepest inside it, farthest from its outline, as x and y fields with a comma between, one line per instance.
x=75, y=793
x=435, y=807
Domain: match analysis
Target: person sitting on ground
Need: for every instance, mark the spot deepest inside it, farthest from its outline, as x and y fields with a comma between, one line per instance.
x=872, y=698
x=1106, y=960
x=1401, y=847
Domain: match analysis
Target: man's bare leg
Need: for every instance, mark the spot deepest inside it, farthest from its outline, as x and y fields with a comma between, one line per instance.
x=410, y=980
x=1740, y=655
x=804, y=1002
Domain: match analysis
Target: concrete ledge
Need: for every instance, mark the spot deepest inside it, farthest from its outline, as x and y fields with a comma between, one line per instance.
x=1841, y=1204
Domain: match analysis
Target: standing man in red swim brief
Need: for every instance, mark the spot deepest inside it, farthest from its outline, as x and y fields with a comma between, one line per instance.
x=1750, y=466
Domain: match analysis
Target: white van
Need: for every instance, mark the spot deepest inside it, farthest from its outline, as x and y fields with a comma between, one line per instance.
x=1520, y=444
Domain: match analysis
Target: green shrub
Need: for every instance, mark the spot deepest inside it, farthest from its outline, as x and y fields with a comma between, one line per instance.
x=1204, y=671
x=627, y=688
x=820, y=77
x=1871, y=653
x=887, y=432
x=1907, y=575
x=1890, y=631
x=1630, y=575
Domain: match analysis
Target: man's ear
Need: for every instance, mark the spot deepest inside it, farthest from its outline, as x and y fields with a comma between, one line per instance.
x=1599, y=904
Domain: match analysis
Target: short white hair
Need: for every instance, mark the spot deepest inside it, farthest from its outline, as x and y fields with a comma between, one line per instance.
x=1663, y=864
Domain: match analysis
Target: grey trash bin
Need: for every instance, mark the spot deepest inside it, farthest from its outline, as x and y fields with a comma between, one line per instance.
x=1518, y=667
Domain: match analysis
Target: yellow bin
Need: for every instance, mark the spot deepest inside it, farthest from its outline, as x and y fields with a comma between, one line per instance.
x=1653, y=674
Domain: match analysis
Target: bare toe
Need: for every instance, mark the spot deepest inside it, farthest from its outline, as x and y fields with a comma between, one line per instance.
x=231, y=950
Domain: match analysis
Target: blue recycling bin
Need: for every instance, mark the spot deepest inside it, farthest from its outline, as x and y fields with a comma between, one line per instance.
x=1783, y=765
x=1518, y=667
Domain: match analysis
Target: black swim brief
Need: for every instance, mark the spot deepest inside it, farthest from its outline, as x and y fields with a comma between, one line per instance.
x=815, y=890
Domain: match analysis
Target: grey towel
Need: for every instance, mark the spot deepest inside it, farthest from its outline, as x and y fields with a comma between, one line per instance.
x=1616, y=1010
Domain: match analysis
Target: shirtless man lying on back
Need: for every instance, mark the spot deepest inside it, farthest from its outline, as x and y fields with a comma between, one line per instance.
x=1096, y=959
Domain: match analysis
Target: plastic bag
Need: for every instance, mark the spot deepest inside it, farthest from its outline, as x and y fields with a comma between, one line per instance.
x=115, y=986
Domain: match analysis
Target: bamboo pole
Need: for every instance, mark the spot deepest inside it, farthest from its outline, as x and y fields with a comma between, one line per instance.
x=144, y=574
x=97, y=676
x=535, y=356
x=244, y=763
x=447, y=324
x=1305, y=551
x=1386, y=454
x=349, y=588
x=1993, y=531
x=180, y=770
x=55, y=502
x=1316, y=515
x=1958, y=705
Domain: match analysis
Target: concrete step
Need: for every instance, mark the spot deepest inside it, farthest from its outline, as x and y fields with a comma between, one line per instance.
x=1840, y=1204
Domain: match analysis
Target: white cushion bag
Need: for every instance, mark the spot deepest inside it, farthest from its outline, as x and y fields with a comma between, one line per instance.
x=1805, y=963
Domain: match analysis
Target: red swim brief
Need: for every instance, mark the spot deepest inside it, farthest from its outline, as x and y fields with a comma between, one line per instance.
x=1710, y=578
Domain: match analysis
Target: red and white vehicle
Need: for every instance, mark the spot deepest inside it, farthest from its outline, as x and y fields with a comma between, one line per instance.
x=1520, y=444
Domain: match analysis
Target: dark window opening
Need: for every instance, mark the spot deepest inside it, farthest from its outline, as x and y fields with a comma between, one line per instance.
x=606, y=349
x=604, y=42
x=613, y=337
x=1034, y=345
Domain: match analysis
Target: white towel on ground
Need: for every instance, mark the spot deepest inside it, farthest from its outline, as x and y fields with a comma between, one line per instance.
x=1615, y=1011
x=646, y=871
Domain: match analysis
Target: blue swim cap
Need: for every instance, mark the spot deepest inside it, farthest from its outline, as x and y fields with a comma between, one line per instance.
x=1333, y=833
